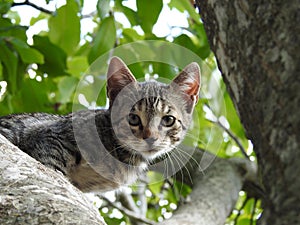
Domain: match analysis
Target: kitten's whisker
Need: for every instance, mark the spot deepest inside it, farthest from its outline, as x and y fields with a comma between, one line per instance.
x=180, y=174
x=166, y=168
x=193, y=159
x=177, y=158
x=171, y=163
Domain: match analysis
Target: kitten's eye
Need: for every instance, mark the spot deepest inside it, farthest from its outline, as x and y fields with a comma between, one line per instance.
x=168, y=121
x=134, y=120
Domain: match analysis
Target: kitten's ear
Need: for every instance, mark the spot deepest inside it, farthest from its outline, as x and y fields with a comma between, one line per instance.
x=188, y=82
x=118, y=76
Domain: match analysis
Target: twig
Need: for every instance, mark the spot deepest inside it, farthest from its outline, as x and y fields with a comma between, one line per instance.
x=27, y=2
x=128, y=212
x=142, y=197
x=128, y=202
x=237, y=141
x=92, y=14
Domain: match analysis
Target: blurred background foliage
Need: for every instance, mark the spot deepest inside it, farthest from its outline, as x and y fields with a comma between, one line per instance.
x=43, y=60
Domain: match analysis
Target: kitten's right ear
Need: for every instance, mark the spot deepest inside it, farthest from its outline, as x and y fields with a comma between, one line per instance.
x=188, y=83
x=118, y=76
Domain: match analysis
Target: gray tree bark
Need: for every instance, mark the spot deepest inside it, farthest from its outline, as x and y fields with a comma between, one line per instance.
x=257, y=47
x=32, y=194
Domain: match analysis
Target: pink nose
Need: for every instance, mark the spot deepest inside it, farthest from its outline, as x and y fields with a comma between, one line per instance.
x=150, y=141
x=149, y=137
x=147, y=133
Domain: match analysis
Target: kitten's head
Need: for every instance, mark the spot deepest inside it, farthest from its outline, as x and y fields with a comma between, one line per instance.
x=151, y=118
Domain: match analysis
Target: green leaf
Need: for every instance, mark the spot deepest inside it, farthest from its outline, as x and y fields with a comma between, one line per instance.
x=130, y=35
x=10, y=63
x=183, y=189
x=130, y=14
x=41, y=16
x=55, y=58
x=4, y=23
x=185, y=41
x=153, y=213
x=101, y=100
x=112, y=220
x=244, y=221
x=77, y=66
x=233, y=119
x=1, y=71
x=105, y=39
x=185, y=5
x=156, y=181
x=148, y=12
x=27, y=54
x=66, y=87
x=7, y=29
x=103, y=8
x=13, y=15
x=5, y=106
x=200, y=39
x=32, y=97
x=64, y=27
x=164, y=70
x=83, y=50
x=80, y=2
x=138, y=70
x=5, y=6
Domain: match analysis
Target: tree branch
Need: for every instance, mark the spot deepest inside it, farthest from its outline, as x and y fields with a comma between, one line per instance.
x=128, y=212
x=128, y=202
x=232, y=135
x=27, y=2
x=237, y=141
x=215, y=190
x=34, y=194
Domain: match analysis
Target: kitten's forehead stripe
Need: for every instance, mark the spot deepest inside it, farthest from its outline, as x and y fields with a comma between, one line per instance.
x=140, y=106
x=153, y=105
x=157, y=102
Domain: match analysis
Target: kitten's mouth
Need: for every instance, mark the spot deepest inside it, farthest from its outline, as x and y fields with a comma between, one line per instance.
x=152, y=151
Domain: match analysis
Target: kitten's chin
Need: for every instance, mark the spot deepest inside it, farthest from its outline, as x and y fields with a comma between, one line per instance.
x=152, y=154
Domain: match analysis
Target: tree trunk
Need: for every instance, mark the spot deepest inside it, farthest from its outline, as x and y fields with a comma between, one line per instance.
x=257, y=47
x=32, y=194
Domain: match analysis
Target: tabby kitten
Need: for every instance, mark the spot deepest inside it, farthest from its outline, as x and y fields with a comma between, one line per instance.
x=99, y=150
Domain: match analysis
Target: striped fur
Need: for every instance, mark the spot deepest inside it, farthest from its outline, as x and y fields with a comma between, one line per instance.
x=99, y=150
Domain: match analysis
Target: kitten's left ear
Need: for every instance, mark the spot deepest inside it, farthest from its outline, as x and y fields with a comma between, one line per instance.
x=188, y=81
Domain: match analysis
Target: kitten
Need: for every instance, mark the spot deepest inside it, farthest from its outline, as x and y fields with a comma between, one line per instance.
x=99, y=150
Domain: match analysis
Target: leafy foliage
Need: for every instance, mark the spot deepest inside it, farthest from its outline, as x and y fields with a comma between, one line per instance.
x=42, y=73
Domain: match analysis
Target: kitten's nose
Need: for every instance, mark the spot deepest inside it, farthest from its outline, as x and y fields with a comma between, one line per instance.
x=150, y=140
x=149, y=136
